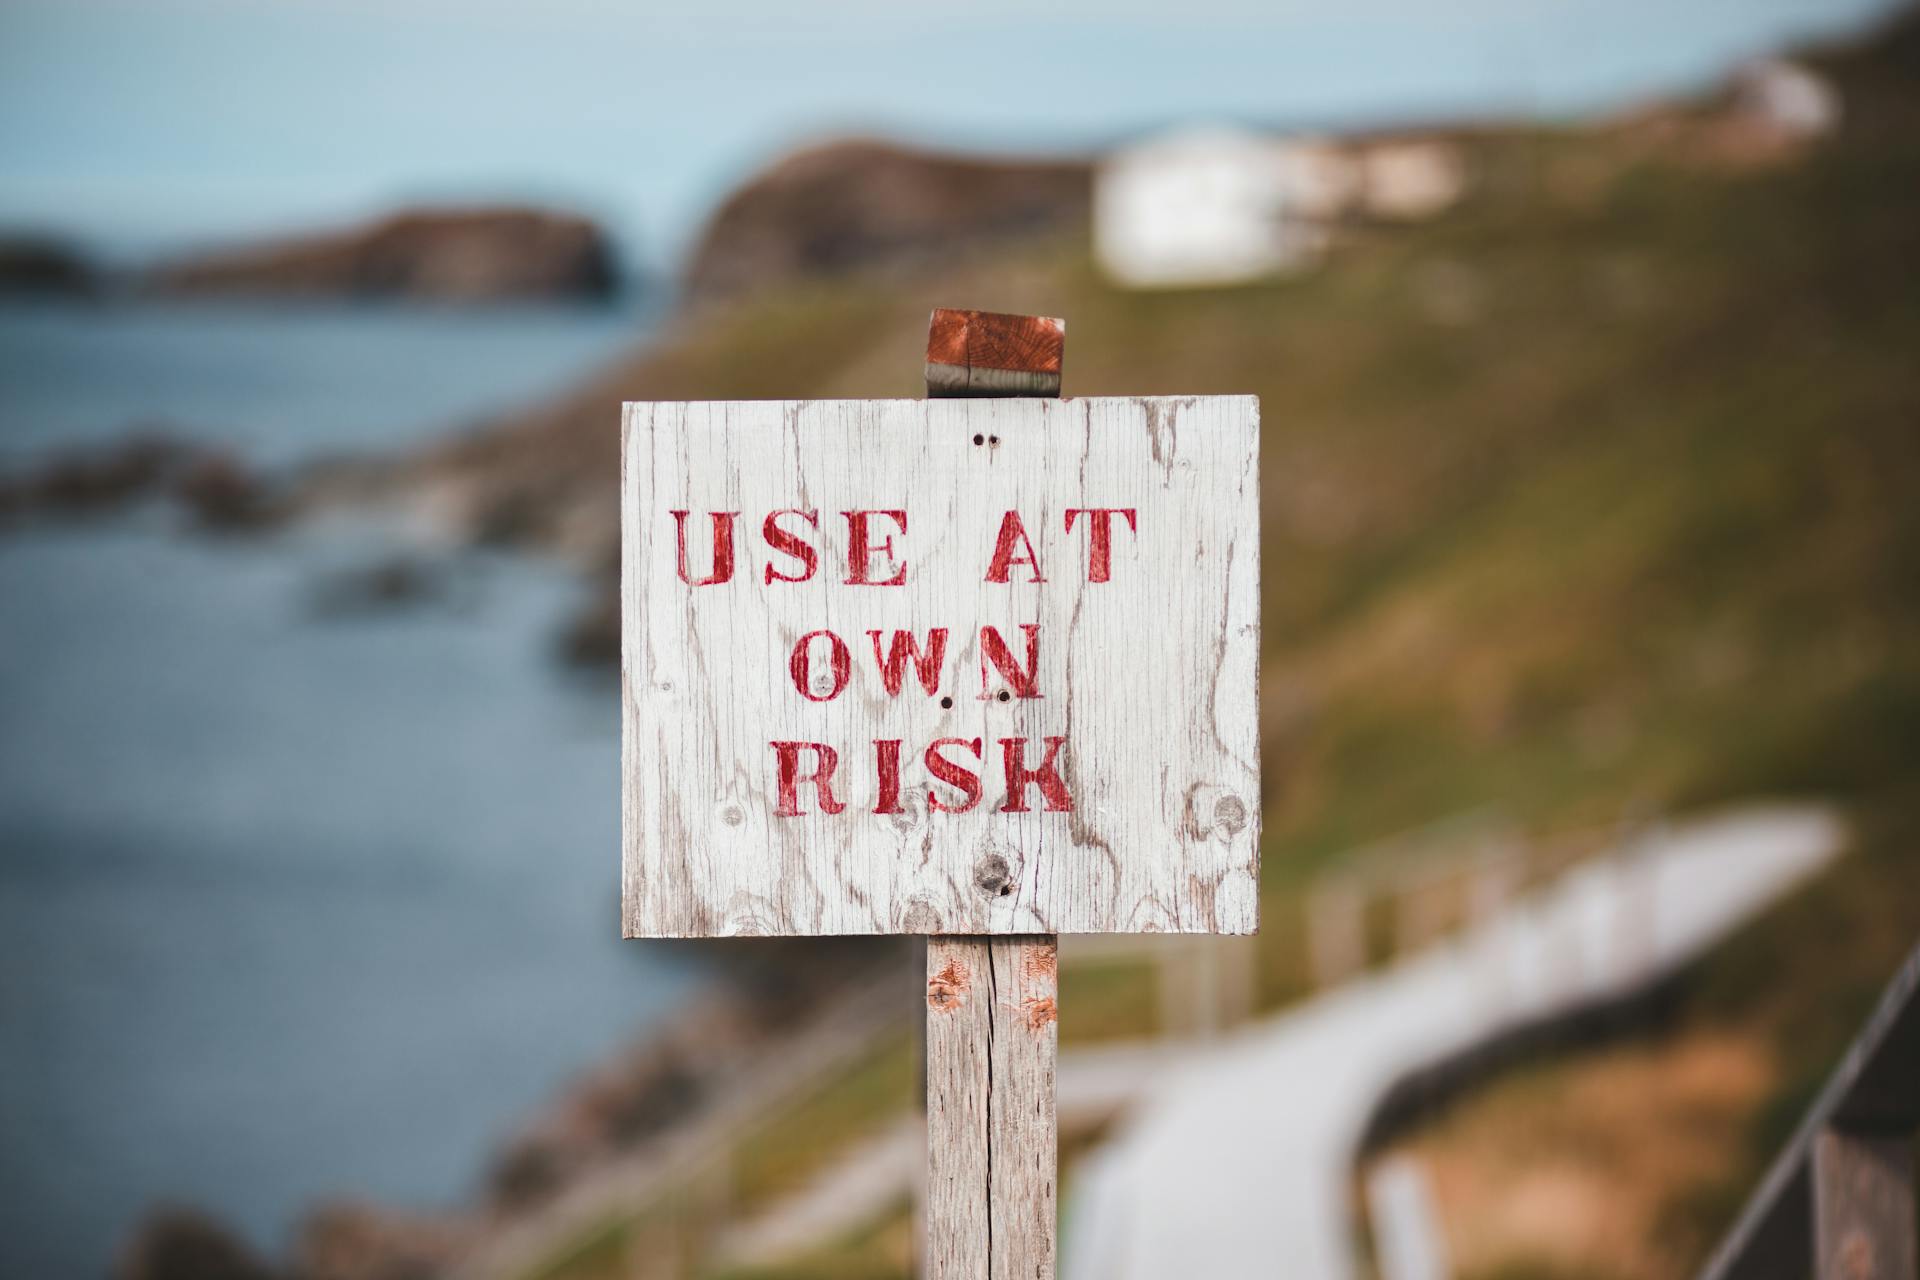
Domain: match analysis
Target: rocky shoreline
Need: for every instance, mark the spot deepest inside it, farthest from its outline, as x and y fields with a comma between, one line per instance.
x=771, y=991
x=39, y=266
x=213, y=486
x=462, y=256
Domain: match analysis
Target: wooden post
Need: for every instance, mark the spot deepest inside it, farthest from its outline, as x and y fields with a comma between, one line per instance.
x=1840, y=1197
x=992, y=1142
x=992, y=1035
x=1863, y=1209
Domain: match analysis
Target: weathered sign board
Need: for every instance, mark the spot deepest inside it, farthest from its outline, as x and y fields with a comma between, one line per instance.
x=941, y=666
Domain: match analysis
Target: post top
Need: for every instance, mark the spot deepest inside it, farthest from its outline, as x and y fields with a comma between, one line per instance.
x=988, y=353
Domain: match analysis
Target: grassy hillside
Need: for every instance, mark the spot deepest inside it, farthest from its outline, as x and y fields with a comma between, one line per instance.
x=1599, y=495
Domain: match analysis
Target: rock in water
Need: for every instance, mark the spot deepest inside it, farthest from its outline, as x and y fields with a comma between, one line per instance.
x=186, y=1244
x=42, y=265
x=454, y=255
x=353, y=1241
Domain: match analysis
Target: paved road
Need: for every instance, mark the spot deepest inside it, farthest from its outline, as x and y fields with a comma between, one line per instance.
x=1238, y=1164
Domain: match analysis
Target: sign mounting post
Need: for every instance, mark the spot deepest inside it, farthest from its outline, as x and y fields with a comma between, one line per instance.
x=992, y=1003
x=981, y=667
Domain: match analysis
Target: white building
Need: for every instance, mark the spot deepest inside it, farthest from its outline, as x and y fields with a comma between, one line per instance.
x=1218, y=206
x=1214, y=206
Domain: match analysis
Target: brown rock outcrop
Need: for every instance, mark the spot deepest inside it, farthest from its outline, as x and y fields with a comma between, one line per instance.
x=833, y=208
x=180, y=1243
x=43, y=265
x=453, y=255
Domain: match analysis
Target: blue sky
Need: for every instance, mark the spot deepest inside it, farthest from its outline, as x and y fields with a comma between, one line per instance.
x=147, y=123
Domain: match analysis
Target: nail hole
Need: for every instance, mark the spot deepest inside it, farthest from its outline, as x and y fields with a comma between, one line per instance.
x=1004, y=695
x=993, y=439
x=946, y=704
x=979, y=439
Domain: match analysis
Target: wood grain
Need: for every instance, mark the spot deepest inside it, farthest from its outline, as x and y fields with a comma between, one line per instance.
x=1150, y=676
x=992, y=1146
x=1863, y=1200
x=988, y=353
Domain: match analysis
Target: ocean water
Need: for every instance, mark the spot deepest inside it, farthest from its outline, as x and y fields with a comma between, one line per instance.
x=280, y=383
x=293, y=904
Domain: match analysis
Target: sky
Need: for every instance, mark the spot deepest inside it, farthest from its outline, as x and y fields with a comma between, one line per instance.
x=144, y=125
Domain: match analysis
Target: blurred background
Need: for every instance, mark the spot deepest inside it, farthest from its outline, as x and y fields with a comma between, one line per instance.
x=1586, y=340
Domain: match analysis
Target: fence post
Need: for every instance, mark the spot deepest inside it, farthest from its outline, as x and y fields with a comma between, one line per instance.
x=1839, y=1199
x=1863, y=1207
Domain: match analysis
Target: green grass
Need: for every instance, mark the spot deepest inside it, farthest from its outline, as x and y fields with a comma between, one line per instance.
x=883, y=1251
x=1599, y=495
x=1108, y=999
x=1541, y=554
x=781, y=1155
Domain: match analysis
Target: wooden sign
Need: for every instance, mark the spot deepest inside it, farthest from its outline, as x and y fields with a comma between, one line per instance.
x=958, y=666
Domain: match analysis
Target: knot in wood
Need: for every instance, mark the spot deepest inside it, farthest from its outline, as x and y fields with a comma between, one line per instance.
x=908, y=817
x=992, y=876
x=1230, y=813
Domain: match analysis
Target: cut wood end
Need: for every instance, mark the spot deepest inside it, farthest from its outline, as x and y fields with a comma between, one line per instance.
x=987, y=353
